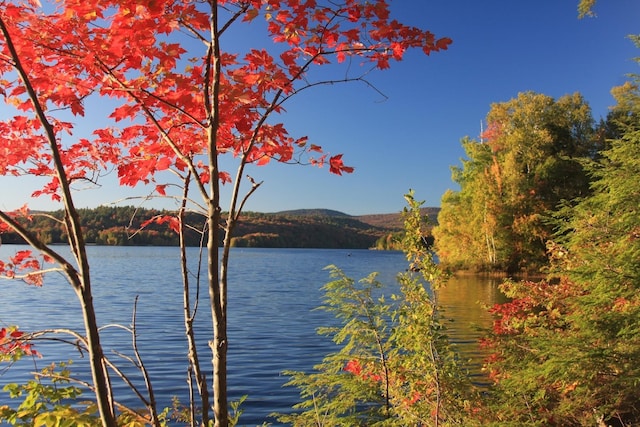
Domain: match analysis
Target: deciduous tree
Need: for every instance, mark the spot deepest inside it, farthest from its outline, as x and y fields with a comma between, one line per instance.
x=526, y=162
x=182, y=95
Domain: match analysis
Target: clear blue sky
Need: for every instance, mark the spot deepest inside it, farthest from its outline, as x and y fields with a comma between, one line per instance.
x=412, y=138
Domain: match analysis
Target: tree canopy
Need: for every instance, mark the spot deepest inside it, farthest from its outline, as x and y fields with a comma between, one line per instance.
x=526, y=162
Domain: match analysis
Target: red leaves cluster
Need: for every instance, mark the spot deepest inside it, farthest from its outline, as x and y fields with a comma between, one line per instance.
x=534, y=305
x=23, y=265
x=337, y=165
x=353, y=367
x=533, y=302
x=171, y=221
x=367, y=373
x=13, y=344
x=371, y=372
x=508, y=317
x=492, y=136
x=354, y=28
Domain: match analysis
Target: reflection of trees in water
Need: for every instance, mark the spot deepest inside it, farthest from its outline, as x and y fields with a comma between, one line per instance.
x=465, y=301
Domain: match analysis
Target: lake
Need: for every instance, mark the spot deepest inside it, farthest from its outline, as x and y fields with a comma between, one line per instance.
x=272, y=321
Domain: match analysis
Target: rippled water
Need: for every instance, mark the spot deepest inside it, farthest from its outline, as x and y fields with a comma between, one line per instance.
x=272, y=294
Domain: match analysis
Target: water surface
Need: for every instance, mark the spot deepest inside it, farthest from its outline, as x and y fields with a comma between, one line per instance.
x=272, y=321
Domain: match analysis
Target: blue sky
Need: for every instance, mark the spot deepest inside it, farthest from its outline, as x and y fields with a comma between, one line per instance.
x=412, y=138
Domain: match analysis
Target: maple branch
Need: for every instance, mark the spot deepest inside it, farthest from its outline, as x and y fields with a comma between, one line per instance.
x=49, y=216
x=242, y=9
x=175, y=198
x=37, y=244
x=194, y=31
x=346, y=79
x=31, y=273
x=254, y=187
x=42, y=335
x=193, y=118
x=163, y=132
x=332, y=82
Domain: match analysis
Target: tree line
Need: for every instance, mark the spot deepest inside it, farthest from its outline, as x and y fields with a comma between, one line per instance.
x=129, y=226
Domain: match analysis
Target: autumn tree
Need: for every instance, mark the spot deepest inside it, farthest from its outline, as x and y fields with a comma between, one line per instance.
x=181, y=96
x=566, y=350
x=525, y=163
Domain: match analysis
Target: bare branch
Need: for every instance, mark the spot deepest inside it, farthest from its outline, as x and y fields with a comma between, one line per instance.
x=243, y=9
x=254, y=187
x=151, y=405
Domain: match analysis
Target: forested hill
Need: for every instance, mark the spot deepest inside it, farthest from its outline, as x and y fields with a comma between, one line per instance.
x=304, y=228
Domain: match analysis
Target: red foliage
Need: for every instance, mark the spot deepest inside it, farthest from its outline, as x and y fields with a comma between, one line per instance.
x=533, y=305
x=370, y=372
x=506, y=314
x=25, y=266
x=171, y=221
x=125, y=50
x=337, y=165
x=13, y=344
x=353, y=367
x=365, y=372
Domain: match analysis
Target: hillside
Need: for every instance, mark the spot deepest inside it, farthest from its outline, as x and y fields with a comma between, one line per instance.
x=310, y=229
x=312, y=212
x=303, y=228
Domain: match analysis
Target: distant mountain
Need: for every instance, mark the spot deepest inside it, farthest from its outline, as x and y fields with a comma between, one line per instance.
x=313, y=212
x=386, y=223
x=305, y=228
x=393, y=221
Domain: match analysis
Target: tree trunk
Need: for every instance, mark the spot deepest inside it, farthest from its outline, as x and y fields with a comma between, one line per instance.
x=217, y=282
x=99, y=373
x=219, y=345
x=195, y=369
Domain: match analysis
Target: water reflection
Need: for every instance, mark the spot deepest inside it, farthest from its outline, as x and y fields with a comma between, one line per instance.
x=465, y=300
